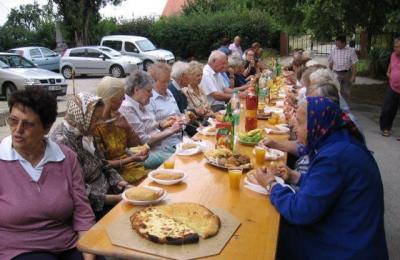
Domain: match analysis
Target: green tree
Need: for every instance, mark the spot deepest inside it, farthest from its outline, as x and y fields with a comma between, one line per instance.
x=80, y=17
x=27, y=25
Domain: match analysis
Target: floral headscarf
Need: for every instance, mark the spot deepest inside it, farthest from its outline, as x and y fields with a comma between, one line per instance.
x=80, y=109
x=323, y=118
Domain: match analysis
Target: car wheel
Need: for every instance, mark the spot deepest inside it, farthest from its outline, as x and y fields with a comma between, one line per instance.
x=147, y=64
x=9, y=89
x=66, y=72
x=117, y=71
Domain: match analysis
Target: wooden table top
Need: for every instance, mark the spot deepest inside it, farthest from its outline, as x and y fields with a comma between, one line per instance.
x=257, y=236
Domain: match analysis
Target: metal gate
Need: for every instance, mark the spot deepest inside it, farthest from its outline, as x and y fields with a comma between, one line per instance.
x=307, y=42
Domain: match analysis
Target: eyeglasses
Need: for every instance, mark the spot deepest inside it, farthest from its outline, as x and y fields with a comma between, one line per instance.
x=14, y=122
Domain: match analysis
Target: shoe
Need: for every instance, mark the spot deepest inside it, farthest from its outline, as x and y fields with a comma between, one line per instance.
x=385, y=133
x=398, y=138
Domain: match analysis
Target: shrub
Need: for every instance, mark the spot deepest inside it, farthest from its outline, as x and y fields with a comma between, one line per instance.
x=378, y=62
x=196, y=35
x=363, y=68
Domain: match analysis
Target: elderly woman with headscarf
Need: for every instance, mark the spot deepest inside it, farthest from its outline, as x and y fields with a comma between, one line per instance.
x=337, y=212
x=103, y=183
x=114, y=135
x=43, y=203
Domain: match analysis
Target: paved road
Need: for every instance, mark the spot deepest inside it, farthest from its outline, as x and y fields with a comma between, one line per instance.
x=81, y=84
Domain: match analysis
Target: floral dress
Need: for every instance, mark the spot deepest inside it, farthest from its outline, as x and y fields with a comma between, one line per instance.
x=112, y=141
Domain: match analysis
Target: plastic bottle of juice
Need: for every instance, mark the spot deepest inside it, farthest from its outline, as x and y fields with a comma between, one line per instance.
x=251, y=110
x=235, y=104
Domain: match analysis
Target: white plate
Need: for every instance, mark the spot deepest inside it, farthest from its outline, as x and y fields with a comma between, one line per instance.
x=145, y=203
x=187, y=152
x=260, y=189
x=166, y=182
x=203, y=131
x=279, y=131
x=216, y=164
x=280, y=103
x=268, y=110
x=272, y=154
x=255, y=187
x=222, y=111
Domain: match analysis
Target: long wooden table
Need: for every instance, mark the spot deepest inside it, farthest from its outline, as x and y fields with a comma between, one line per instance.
x=257, y=236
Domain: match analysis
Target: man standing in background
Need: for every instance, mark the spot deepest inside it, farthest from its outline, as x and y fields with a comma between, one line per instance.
x=343, y=61
x=235, y=46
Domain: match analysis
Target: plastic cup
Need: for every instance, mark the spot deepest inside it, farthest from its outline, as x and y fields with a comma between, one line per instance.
x=235, y=176
x=260, y=155
x=169, y=163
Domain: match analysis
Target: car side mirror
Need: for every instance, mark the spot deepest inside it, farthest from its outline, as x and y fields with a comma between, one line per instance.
x=103, y=57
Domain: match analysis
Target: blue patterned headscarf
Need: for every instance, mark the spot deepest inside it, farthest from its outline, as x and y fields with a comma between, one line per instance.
x=323, y=118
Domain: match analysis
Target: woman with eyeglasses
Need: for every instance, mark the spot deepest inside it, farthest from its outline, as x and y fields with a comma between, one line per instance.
x=43, y=203
x=103, y=183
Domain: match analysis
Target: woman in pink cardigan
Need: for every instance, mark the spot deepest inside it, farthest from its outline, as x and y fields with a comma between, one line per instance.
x=43, y=204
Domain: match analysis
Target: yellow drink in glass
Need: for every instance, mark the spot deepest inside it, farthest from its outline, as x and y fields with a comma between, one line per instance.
x=274, y=119
x=235, y=176
x=260, y=156
x=169, y=163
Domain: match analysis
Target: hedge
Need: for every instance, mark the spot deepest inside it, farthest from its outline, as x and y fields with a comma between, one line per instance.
x=196, y=35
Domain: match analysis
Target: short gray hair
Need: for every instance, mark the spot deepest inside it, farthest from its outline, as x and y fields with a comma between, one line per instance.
x=138, y=79
x=216, y=55
x=328, y=90
x=397, y=40
x=178, y=69
x=235, y=60
x=158, y=69
x=322, y=76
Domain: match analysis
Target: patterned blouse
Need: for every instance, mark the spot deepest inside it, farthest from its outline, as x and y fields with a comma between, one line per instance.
x=196, y=99
x=112, y=141
x=100, y=178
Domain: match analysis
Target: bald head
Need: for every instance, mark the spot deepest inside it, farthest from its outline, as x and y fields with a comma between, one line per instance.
x=237, y=40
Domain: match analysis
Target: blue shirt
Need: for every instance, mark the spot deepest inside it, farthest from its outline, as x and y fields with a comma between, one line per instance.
x=337, y=213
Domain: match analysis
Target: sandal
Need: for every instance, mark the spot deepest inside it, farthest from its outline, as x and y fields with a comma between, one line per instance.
x=385, y=133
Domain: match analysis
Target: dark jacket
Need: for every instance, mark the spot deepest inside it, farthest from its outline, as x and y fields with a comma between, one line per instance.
x=337, y=213
x=179, y=97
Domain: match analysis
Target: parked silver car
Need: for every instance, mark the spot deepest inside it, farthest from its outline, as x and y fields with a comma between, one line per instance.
x=138, y=46
x=97, y=60
x=44, y=58
x=16, y=73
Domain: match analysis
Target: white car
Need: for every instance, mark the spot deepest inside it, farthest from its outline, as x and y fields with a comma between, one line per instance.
x=44, y=58
x=138, y=46
x=18, y=73
x=97, y=60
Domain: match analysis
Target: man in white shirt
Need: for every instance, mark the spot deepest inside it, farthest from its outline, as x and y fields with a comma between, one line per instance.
x=212, y=82
x=343, y=61
x=235, y=46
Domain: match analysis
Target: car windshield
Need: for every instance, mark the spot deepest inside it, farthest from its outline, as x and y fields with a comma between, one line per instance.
x=145, y=45
x=15, y=61
x=111, y=52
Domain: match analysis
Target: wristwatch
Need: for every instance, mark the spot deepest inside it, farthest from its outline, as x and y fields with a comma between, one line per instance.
x=269, y=186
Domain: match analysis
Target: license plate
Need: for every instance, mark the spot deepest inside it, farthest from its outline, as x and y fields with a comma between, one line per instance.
x=52, y=88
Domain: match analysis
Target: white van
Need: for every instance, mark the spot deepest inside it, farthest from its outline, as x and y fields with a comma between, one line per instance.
x=139, y=47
